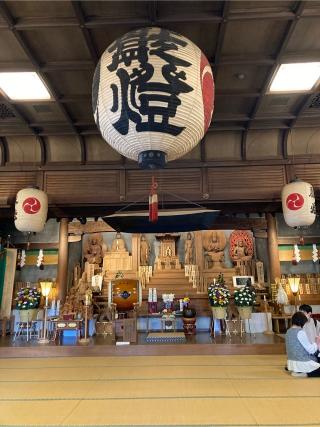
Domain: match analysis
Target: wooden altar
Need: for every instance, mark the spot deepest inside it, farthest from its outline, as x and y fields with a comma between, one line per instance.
x=168, y=258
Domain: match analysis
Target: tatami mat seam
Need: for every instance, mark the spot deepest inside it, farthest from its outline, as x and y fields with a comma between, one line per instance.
x=164, y=425
x=44, y=399
x=152, y=379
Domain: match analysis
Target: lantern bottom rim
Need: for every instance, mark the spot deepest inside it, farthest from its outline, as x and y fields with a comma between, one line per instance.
x=152, y=159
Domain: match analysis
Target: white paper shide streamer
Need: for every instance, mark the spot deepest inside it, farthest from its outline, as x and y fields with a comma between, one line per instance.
x=315, y=255
x=22, y=258
x=40, y=258
x=296, y=252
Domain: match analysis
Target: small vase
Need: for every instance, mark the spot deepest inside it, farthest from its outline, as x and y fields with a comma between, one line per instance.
x=28, y=315
x=245, y=312
x=219, y=312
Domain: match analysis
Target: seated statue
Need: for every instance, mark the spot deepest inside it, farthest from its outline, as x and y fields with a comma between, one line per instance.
x=214, y=243
x=94, y=252
x=241, y=251
x=118, y=244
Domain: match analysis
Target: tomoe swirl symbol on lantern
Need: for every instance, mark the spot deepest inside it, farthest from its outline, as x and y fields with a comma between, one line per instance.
x=294, y=201
x=31, y=205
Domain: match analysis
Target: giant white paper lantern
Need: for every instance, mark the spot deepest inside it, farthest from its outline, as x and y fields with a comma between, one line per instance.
x=298, y=204
x=31, y=210
x=153, y=94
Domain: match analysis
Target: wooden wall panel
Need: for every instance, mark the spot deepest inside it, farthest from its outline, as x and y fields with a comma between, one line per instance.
x=246, y=183
x=82, y=187
x=177, y=181
x=12, y=182
x=309, y=173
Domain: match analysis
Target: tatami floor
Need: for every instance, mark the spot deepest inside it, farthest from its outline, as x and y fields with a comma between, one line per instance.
x=156, y=390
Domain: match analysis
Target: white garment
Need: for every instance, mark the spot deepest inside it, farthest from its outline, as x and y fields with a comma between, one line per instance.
x=311, y=330
x=310, y=365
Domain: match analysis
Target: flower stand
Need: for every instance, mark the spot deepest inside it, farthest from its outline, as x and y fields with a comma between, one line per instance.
x=245, y=312
x=28, y=315
x=219, y=312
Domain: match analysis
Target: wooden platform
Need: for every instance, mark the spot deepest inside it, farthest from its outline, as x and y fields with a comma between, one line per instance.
x=200, y=344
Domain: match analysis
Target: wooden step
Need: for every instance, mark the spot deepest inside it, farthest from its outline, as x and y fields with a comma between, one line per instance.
x=169, y=273
x=160, y=281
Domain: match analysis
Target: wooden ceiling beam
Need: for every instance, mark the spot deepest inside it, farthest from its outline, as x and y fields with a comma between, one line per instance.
x=220, y=38
x=72, y=22
x=76, y=5
x=291, y=26
x=4, y=151
x=153, y=11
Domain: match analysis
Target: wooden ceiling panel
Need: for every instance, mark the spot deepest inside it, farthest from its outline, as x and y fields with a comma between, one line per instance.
x=277, y=6
x=38, y=9
x=280, y=104
x=56, y=44
x=199, y=35
x=106, y=35
x=81, y=111
x=258, y=37
x=241, y=77
x=38, y=112
x=115, y=9
x=9, y=48
x=72, y=82
x=239, y=105
x=243, y=40
x=175, y=10
x=306, y=36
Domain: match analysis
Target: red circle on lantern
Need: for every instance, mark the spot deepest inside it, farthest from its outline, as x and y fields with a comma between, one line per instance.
x=207, y=86
x=295, y=201
x=31, y=205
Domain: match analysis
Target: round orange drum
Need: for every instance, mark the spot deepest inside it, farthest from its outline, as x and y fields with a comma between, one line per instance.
x=125, y=292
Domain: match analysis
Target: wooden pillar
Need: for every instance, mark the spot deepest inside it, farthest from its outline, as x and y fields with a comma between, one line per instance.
x=62, y=277
x=273, y=251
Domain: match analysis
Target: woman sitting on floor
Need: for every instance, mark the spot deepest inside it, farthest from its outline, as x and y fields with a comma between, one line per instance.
x=301, y=353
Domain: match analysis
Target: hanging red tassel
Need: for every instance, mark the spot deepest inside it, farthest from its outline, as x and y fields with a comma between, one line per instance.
x=301, y=240
x=153, y=202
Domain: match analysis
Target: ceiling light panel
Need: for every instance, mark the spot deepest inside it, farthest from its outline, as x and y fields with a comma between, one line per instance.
x=296, y=77
x=23, y=86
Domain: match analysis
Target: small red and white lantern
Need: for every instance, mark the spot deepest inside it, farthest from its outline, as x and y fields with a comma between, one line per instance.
x=31, y=210
x=153, y=94
x=298, y=204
